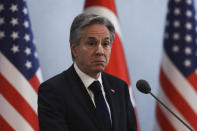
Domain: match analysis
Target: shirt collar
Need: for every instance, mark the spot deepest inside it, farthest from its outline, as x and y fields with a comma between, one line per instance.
x=86, y=79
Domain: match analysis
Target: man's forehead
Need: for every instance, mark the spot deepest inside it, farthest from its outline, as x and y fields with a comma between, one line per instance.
x=96, y=28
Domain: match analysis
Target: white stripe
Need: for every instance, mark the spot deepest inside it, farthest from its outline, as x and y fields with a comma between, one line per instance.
x=19, y=82
x=180, y=83
x=39, y=75
x=131, y=96
x=14, y=119
x=99, y=10
x=175, y=122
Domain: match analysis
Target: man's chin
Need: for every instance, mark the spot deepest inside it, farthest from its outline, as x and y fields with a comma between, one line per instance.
x=99, y=69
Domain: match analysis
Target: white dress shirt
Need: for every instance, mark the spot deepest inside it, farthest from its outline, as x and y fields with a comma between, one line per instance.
x=87, y=81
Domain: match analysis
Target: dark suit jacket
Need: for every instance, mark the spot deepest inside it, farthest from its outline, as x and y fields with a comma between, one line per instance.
x=65, y=105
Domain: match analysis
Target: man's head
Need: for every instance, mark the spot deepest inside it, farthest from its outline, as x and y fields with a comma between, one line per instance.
x=91, y=38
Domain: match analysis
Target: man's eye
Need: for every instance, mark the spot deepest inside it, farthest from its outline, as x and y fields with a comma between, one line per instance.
x=91, y=43
x=106, y=44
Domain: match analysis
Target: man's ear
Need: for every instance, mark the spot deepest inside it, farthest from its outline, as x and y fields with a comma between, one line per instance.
x=73, y=49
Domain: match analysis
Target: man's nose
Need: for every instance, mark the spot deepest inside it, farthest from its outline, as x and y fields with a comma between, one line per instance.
x=100, y=49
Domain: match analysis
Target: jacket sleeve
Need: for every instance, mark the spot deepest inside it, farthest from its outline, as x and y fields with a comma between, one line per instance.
x=51, y=110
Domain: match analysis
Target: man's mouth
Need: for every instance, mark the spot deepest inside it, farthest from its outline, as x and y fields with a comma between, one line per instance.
x=99, y=61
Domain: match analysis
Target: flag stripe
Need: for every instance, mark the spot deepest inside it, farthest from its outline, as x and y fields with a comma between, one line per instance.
x=11, y=95
x=131, y=96
x=178, y=100
x=15, y=120
x=103, y=3
x=163, y=121
x=19, y=82
x=34, y=83
x=180, y=83
x=99, y=10
x=193, y=80
x=174, y=121
x=4, y=126
x=39, y=75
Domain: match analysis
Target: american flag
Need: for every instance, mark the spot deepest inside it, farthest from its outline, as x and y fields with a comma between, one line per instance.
x=20, y=72
x=178, y=73
x=117, y=64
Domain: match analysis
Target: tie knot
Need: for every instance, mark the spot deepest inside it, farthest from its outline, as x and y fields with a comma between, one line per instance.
x=95, y=87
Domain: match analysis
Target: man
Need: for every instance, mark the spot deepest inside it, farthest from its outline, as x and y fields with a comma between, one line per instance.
x=84, y=98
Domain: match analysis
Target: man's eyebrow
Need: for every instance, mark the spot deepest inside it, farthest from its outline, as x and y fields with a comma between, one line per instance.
x=94, y=38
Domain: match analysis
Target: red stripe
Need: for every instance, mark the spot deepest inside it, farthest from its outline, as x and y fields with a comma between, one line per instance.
x=117, y=64
x=19, y=103
x=178, y=101
x=34, y=83
x=165, y=125
x=4, y=126
x=109, y=4
x=193, y=80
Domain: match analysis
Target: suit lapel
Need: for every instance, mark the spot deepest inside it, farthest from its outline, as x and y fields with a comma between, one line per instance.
x=82, y=96
x=110, y=95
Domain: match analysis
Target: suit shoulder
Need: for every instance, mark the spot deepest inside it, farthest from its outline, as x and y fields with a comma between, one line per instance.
x=55, y=78
x=59, y=78
x=112, y=78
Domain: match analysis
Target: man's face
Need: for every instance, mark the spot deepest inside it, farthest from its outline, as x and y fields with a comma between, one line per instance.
x=93, y=53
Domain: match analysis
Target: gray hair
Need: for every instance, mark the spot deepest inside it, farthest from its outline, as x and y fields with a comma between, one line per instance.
x=83, y=20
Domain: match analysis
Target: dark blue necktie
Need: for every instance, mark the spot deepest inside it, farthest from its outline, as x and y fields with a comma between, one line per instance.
x=101, y=107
